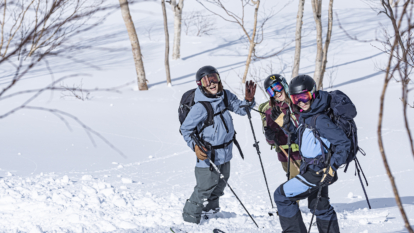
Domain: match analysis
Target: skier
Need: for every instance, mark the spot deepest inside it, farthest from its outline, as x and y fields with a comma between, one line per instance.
x=316, y=171
x=220, y=135
x=280, y=107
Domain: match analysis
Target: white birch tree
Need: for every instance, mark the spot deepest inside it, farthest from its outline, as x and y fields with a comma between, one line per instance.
x=167, y=44
x=136, y=49
x=298, y=39
x=178, y=12
x=321, y=50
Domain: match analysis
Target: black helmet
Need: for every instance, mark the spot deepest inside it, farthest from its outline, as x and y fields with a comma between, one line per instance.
x=205, y=70
x=301, y=83
x=272, y=79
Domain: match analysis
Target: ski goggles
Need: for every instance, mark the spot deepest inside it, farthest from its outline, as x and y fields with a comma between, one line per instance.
x=275, y=87
x=301, y=97
x=208, y=79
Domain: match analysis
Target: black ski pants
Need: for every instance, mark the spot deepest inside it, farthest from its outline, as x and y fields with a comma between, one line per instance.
x=301, y=187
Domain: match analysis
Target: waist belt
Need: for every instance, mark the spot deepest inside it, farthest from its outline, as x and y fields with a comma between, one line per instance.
x=222, y=146
x=309, y=161
x=293, y=146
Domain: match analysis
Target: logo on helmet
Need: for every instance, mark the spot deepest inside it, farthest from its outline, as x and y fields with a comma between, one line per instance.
x=273, y=77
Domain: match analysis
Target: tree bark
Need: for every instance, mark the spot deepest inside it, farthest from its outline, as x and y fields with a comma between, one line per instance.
x=298, y=46
x=178, y=10
x=136, y=49
x=317, y=10
x=167, y=45
x=326, y=46
x=252, y=41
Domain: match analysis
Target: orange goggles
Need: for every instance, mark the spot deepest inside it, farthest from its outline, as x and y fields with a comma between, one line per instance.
x=208, y=79
x=302, y=97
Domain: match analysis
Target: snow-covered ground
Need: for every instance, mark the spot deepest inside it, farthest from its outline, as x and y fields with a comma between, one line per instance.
x=55, y=180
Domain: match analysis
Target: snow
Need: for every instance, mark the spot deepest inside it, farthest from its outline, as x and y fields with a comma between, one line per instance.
x=56, y=180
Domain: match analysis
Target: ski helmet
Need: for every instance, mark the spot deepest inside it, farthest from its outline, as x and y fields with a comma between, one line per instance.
x=205, y=70
x=276, y=78
x=302, y=83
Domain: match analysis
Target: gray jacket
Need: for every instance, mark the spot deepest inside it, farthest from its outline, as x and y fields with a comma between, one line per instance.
x=214, y=134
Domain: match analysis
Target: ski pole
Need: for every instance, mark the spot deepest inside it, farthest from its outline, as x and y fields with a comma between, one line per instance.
x=199, y=144
x=256, y=145
x=286, y=154
x=289, y=151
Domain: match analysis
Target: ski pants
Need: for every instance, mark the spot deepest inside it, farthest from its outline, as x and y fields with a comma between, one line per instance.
x=301, y=187
x=209, y=188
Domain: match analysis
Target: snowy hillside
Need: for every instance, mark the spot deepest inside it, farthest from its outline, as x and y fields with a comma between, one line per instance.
x=54, y=180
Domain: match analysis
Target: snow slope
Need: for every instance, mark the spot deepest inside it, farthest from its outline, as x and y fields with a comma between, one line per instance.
x=55, y=180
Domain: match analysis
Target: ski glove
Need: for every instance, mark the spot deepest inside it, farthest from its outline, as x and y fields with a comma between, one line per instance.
x=199, y=153
x=280, y=118
x=250, y=91
x=328, y=175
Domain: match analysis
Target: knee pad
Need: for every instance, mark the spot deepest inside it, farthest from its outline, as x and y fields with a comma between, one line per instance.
x=192, y=211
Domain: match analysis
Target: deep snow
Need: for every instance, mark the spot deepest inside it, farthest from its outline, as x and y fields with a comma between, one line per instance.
x=55, y=180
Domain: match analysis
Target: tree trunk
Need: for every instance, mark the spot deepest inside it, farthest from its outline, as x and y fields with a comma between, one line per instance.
x=326, y=46
x=252, y=41
x=178, y=10
x=298, y=46
x=136, y=49
x=167, y=44
x=317, y=9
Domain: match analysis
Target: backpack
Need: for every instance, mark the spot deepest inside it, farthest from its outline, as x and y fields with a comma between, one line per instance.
x=342, y=113
x=187, y=101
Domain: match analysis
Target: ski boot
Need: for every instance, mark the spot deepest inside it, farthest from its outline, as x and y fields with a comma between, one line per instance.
x=209, y=214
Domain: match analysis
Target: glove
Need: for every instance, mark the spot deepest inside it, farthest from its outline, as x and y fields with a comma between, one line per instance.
x=280, y=118
x=328, y=175
x=250, y=91
x=199, y=153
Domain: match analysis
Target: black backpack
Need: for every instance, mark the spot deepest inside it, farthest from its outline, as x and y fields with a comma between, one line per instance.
x=342, y=113
x=187, y=101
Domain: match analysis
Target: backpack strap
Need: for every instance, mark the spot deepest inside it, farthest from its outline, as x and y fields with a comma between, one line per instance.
x=225, y=100
x=316, y=134
x=210, y=115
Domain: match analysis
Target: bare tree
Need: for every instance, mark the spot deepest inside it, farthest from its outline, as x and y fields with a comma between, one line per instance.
x=235, y=18
x=167, y=44
x=321, y=50
x=21, y=15
x=400, y=65
x=16, y=70
x=178, y=11
x=298, y=39
x=136, y=48
x=198, y=23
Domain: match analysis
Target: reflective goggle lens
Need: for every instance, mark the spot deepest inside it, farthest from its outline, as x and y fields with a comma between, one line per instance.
x=275, y=87
x=208, y=79
x=302, y=97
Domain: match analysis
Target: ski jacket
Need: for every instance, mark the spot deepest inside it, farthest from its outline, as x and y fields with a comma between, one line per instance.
x=274, y=133
x=286, y=110
x=215, y=134
x=330, y=133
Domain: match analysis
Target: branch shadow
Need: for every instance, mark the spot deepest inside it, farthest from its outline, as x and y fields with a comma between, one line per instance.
x=376, y=203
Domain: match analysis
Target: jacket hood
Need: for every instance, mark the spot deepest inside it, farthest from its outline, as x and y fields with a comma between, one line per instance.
x=319, y=104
